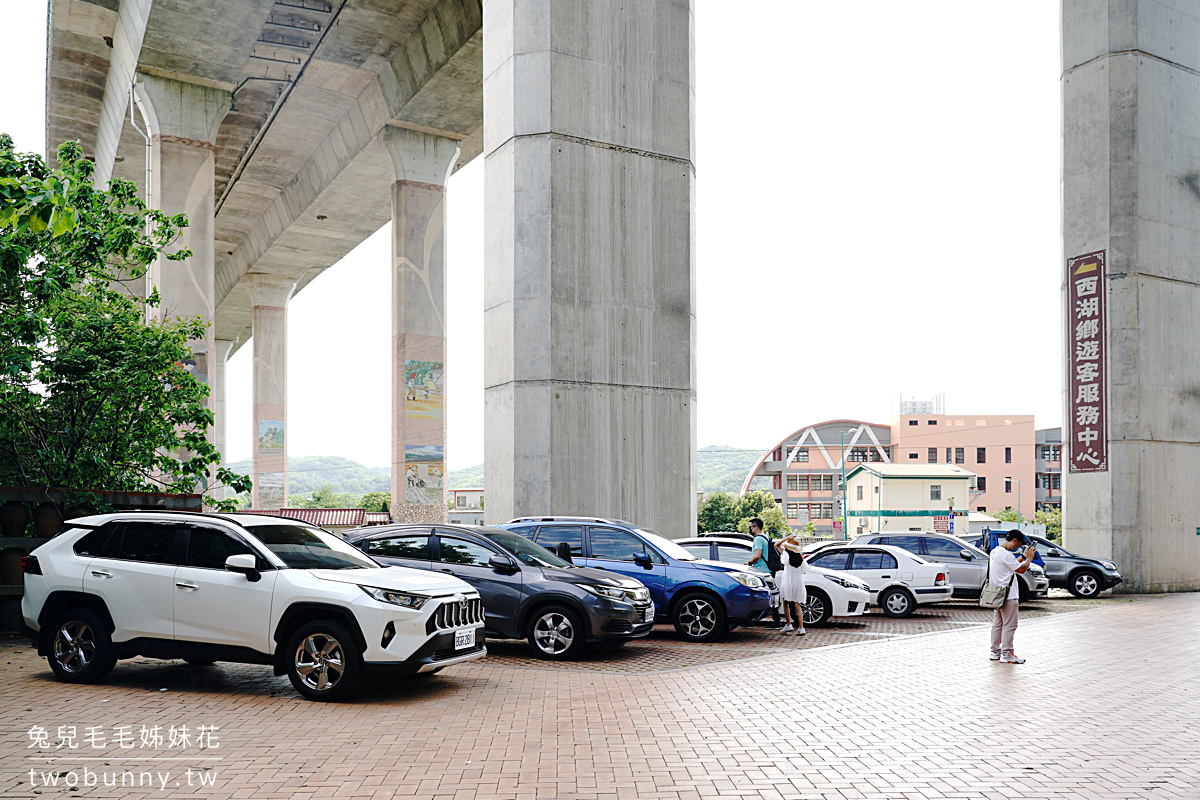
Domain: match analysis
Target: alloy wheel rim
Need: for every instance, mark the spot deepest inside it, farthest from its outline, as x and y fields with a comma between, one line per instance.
x=553, y=634
x=897, y=603
x=1086, y=584
x=698, y=617
x=74, y=646
x=812, y=608
x=320, y=662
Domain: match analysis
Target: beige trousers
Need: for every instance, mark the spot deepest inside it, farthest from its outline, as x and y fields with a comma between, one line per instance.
x=1004, y=625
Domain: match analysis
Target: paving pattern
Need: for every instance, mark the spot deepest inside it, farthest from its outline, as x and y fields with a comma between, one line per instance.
x=1106, y=707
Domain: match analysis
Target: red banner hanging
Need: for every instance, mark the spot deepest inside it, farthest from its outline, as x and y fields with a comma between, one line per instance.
x=1087, y=381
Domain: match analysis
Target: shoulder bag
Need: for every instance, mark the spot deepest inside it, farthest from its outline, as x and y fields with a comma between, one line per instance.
x=991, y=595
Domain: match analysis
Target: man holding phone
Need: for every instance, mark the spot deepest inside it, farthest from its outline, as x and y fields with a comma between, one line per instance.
x=1003, y=570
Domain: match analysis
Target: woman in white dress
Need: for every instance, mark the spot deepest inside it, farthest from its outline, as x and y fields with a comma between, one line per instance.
x=792, y=593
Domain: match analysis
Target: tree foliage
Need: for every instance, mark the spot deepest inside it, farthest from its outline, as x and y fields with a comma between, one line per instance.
x=763, y=506
x=717, y=512
x=375, y=501
x=91, y=395
x=1053, y=522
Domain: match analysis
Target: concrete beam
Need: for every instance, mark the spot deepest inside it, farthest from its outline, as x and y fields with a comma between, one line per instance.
x=127, y=45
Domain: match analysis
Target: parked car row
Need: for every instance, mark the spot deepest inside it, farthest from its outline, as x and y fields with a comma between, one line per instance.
x=966, y=564
x=1079, y=575
x=408, y=599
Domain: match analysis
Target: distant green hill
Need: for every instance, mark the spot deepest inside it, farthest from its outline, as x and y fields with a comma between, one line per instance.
x=309, y=473
x=722, y=469
x=719, y=469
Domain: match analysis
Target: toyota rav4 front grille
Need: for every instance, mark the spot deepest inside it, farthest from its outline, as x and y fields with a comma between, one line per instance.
x=456, y=614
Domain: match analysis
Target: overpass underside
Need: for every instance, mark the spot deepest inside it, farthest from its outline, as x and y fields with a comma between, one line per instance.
x=290, y=130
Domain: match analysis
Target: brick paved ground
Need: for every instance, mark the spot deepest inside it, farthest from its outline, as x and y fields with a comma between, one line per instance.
x=1107, y=707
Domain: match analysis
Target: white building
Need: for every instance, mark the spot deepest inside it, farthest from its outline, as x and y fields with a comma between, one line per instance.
x=908, y=497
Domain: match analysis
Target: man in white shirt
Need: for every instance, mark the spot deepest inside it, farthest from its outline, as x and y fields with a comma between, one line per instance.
x=1003, y=570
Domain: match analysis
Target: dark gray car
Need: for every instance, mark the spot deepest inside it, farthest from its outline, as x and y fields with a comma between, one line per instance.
x=527, y=591
x=965, y=562
x=1080, y=575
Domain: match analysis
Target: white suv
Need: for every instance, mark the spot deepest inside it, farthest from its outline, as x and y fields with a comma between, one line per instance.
x=258, y=590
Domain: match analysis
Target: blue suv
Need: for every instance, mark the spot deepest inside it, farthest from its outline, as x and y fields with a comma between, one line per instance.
x=702, y=599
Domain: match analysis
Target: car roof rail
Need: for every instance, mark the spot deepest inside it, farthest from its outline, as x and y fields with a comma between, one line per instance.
x=221, y=515
x=570, y=518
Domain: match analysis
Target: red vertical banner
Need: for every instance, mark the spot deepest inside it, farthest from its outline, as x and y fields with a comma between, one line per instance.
x=1087, y=380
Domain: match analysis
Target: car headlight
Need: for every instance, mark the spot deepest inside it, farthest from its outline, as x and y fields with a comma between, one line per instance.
x=849, y=583
x=641, y=593
x=402, y=599
x=747, y=580
x=1109, y=565
x=1036, y=570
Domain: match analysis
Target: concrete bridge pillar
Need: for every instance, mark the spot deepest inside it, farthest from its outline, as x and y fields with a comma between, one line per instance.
x=270, y=294
x=1131, y=204
x=221, y=350
x=590, y=281
x=421, y=165
x=183, y=120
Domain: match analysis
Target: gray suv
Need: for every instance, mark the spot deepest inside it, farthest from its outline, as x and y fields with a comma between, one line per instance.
x=1080, y=575
x=966, y=563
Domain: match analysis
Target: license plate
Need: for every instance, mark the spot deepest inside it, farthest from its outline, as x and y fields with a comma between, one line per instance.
x=464, y=639
x=648, y=614
x=775, y=600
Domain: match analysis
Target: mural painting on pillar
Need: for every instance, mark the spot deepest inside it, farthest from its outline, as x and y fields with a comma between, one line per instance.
x=270, y=436
x=424, y=476
x=270, y=490
x=423, y=390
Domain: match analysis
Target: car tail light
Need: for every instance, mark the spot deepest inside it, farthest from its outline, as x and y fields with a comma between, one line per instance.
x=940, y=580
x=30, y=565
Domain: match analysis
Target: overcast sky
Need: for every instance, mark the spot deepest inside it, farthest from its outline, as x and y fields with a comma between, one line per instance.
x=878, y=214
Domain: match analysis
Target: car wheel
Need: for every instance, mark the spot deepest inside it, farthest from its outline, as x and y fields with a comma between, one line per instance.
x=699, y=617
x=897, y=603
x=816, y=608
x=1022, y=592
x=81, y=650
x=1084, y=584
x=324, y=663
x=555, y=633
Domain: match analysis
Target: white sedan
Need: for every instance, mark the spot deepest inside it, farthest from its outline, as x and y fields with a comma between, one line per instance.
x=830, y=593
x=899, y=580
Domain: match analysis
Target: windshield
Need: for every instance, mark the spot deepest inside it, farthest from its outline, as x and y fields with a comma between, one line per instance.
x=302, y=547
x=666, y=546
x=532, y=554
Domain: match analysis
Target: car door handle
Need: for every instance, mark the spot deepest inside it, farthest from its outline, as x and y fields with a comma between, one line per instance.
x=447, y=571
x=101, y=573
x=191, y=587
x=885, y=576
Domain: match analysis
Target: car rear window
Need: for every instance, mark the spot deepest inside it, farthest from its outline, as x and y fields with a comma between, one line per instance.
x=96, y=543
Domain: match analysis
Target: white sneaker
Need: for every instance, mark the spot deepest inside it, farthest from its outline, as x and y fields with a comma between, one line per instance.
x=994, y=656
x=786, y=630
x=802, y=631
x=1013, y=659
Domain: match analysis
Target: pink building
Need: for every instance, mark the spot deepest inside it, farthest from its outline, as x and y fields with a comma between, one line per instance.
x=999, y=449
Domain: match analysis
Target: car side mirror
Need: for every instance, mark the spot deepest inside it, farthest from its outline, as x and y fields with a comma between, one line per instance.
x=643, y=560
x=966, y=555
x=1054, y=553
x=502, y=563
x=246, y=564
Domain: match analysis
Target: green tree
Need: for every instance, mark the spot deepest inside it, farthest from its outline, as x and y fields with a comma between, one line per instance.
x=1007, y=515
x=1053, y=522
x=91, y=395
x=717, y=512
x=374, y=501
x=763, y=506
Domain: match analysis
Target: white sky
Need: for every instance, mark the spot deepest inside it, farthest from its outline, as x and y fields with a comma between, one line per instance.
x=878, y=191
